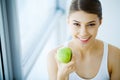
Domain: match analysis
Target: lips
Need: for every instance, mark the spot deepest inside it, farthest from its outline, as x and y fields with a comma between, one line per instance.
x=85, y=39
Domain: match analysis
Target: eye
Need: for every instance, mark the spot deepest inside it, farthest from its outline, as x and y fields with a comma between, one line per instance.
x=92, y=24
x=76, y=24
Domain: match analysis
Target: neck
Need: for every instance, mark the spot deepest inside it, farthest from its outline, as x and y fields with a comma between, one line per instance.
x=87, y=49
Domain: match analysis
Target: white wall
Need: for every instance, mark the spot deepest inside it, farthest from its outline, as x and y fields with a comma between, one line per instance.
x=110, y=28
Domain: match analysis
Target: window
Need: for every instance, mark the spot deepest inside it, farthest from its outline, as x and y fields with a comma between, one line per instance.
x=41, y=24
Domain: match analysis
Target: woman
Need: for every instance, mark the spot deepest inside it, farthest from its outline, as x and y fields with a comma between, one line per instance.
x=92, y=59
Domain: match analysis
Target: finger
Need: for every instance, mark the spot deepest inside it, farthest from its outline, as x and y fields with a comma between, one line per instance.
x=71, y=69
x=72, y=63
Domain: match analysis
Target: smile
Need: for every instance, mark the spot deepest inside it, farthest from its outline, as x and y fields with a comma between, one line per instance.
x=84, y=40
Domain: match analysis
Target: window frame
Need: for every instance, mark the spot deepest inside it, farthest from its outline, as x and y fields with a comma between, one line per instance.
x=10, y=41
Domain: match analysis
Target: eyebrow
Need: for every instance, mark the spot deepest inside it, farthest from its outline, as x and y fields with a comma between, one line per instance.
x=76, y=21
x=88, y=22
x=91, y=21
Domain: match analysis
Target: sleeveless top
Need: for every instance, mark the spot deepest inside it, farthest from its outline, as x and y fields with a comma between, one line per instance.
x=102, y=74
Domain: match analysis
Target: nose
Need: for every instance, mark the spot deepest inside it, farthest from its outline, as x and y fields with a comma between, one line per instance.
x=83, y=31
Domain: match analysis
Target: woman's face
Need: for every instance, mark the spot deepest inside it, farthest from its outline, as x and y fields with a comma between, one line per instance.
x=83, y=26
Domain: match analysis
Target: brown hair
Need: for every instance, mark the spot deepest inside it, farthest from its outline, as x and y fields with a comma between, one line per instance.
x=89, y=6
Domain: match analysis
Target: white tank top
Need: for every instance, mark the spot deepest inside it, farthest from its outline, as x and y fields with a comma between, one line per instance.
x=102, y=74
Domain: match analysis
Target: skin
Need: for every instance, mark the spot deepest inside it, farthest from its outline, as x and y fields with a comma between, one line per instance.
x=87, y=50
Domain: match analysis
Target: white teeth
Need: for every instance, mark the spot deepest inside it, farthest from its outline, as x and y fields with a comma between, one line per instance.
x=84, y=38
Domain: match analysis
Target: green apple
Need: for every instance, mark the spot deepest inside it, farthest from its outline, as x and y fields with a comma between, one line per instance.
x=64, y=54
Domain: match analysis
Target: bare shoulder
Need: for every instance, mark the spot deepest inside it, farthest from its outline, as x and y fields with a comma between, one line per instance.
x=114, y=52
x=52, y=65
x=51, y=55
x=114, y=62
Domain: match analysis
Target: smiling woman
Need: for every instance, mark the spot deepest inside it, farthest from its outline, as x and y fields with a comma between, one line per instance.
x=84, y=26
x=92, y=58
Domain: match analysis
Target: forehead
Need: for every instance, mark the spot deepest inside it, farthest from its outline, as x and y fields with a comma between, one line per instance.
x=82, y=16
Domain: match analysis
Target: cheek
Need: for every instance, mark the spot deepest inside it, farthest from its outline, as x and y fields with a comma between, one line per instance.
x=73, y=32
x=93, y=32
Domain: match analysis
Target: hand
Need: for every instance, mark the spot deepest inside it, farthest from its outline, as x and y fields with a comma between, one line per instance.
x=64, y=69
